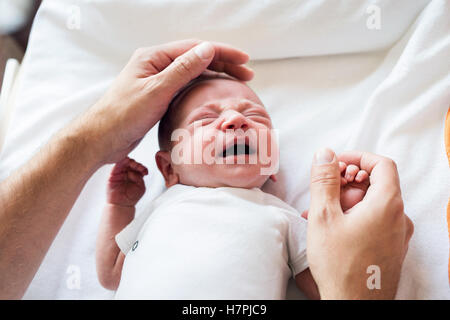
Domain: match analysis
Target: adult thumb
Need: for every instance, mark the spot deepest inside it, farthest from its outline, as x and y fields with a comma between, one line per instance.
x=325, y=185
x=187, y=66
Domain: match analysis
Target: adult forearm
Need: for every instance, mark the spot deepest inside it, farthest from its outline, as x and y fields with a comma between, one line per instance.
x=34, y=202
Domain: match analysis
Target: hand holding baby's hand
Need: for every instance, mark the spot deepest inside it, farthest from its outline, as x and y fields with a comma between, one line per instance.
x=375, y=230
x=126, y=183
x=354, y=185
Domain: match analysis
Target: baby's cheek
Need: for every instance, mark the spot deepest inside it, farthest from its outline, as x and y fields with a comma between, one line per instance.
x=268, y=153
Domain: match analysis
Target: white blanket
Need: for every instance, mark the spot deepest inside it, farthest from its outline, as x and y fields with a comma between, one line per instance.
x=367, y=75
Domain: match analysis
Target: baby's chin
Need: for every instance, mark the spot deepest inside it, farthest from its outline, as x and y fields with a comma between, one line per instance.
x=242, y=176
x=246, y=176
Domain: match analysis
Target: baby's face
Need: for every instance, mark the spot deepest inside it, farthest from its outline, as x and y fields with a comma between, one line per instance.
x=227, y=138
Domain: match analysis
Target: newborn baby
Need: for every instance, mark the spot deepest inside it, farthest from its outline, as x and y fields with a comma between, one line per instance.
x=213, y=234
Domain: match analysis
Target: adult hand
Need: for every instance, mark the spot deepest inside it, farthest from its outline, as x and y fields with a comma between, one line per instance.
x=36, y=198
x=341, y=247
x=140, y=95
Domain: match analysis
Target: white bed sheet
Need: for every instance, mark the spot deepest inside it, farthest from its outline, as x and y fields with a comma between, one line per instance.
x=326, y=78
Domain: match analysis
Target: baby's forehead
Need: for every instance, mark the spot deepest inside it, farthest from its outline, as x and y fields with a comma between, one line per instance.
x=218, y=93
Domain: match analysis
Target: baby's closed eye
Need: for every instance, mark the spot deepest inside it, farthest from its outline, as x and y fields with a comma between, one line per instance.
x=257, y=114
x=205, y=118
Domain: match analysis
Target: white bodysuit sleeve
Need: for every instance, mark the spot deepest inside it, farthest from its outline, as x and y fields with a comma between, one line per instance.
x=125, y=239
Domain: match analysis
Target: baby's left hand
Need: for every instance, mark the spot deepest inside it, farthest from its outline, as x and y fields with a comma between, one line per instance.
x=354, y=185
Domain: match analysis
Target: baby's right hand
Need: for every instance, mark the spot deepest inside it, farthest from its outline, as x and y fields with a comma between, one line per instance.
x=126, y=183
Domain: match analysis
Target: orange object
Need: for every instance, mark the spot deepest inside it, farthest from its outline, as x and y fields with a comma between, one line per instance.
x=447, y=149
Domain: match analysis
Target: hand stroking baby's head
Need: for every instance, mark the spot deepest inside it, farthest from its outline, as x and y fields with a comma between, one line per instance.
x=217, y=133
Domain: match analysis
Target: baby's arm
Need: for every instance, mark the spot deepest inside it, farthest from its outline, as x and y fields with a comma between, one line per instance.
x=305, y=282
x=125, y=188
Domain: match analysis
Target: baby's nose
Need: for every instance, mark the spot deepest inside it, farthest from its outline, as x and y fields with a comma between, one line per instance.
x=234, y=121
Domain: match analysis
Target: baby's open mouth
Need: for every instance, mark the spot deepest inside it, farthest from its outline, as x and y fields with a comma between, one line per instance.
x=238, y=149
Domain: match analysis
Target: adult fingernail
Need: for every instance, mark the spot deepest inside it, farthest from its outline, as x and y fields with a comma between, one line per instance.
x=204, y=50
x=323, y=156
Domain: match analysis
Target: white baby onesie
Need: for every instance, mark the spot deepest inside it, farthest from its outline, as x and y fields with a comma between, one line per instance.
x=212, y=243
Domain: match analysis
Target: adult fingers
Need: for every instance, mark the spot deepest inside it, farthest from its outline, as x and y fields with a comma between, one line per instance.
x=409, y=228
x=186, y=67
x=223, y=52
x=163, y=55
x=325, y=185
x=240, y=72
x=192, y=63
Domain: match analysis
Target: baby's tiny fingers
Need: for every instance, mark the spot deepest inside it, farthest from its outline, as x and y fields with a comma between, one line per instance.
x=136, y=166
x=351, y=172
x=135, y=176
x=144, y=170
x=361, y=176
x=122, y=176
x=305, y=214
x=120, y=166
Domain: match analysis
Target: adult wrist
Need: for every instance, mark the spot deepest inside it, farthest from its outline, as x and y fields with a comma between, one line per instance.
x=78, y=141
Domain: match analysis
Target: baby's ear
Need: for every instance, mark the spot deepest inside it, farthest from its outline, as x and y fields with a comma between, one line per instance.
x=164, y=164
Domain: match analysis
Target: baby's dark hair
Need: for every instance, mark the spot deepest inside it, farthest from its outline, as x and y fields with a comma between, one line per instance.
x=168, y=122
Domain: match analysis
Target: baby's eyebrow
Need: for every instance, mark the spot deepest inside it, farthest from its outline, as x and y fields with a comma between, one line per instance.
x=247, y=104
x=216, y=108
x=202, y=109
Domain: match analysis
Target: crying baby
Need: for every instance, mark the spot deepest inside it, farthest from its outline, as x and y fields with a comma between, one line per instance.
x=213, y=234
